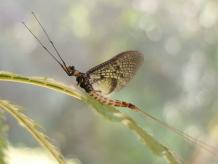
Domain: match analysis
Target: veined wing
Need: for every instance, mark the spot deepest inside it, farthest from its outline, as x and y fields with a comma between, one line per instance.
x=115, y=73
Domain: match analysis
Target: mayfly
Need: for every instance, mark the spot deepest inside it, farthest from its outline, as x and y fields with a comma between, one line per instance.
x=111, y=76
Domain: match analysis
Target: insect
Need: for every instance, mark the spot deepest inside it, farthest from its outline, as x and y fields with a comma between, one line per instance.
x=111, y=76
x=102, y=79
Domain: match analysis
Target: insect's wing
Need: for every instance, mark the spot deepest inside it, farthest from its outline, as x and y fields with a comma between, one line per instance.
x=115, y=73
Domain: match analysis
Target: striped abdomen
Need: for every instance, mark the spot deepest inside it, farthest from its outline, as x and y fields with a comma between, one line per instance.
x=110, y=102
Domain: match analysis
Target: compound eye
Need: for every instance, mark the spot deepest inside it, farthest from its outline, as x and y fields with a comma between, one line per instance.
x=72, y=67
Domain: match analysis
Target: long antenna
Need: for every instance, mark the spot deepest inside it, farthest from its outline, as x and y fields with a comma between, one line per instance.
x=47, y=36
x=63, y=65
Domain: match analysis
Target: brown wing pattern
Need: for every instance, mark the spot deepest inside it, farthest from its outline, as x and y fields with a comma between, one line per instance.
x=115, y=73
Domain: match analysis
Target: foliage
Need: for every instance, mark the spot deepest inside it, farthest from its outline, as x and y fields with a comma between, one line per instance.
x=3, y=143
x=108, y=112
x=32, y=128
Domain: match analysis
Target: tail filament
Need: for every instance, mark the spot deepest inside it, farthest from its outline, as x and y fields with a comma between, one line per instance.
x=188, y=138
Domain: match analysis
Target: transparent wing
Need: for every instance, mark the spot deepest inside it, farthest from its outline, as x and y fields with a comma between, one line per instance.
x=115, y=73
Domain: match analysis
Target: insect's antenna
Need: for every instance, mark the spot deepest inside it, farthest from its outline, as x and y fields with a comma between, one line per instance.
x=39, y=41
x=47, y=36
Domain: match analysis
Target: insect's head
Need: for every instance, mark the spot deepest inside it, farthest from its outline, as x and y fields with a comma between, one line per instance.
x=71, y=71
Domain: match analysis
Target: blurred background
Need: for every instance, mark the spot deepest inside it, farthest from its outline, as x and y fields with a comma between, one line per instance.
x=177, y=83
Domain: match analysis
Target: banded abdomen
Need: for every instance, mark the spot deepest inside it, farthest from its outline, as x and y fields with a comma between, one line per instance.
x=107, y=101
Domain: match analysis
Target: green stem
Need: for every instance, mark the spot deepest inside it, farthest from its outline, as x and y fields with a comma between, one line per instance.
x=42, y=82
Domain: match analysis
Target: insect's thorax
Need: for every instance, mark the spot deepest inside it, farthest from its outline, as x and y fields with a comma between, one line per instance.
x=84, y=82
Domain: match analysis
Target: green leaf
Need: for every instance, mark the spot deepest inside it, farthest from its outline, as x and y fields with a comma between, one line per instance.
x=3, y=143
x=113, y=114
x=106, y=111
x=32, y=128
